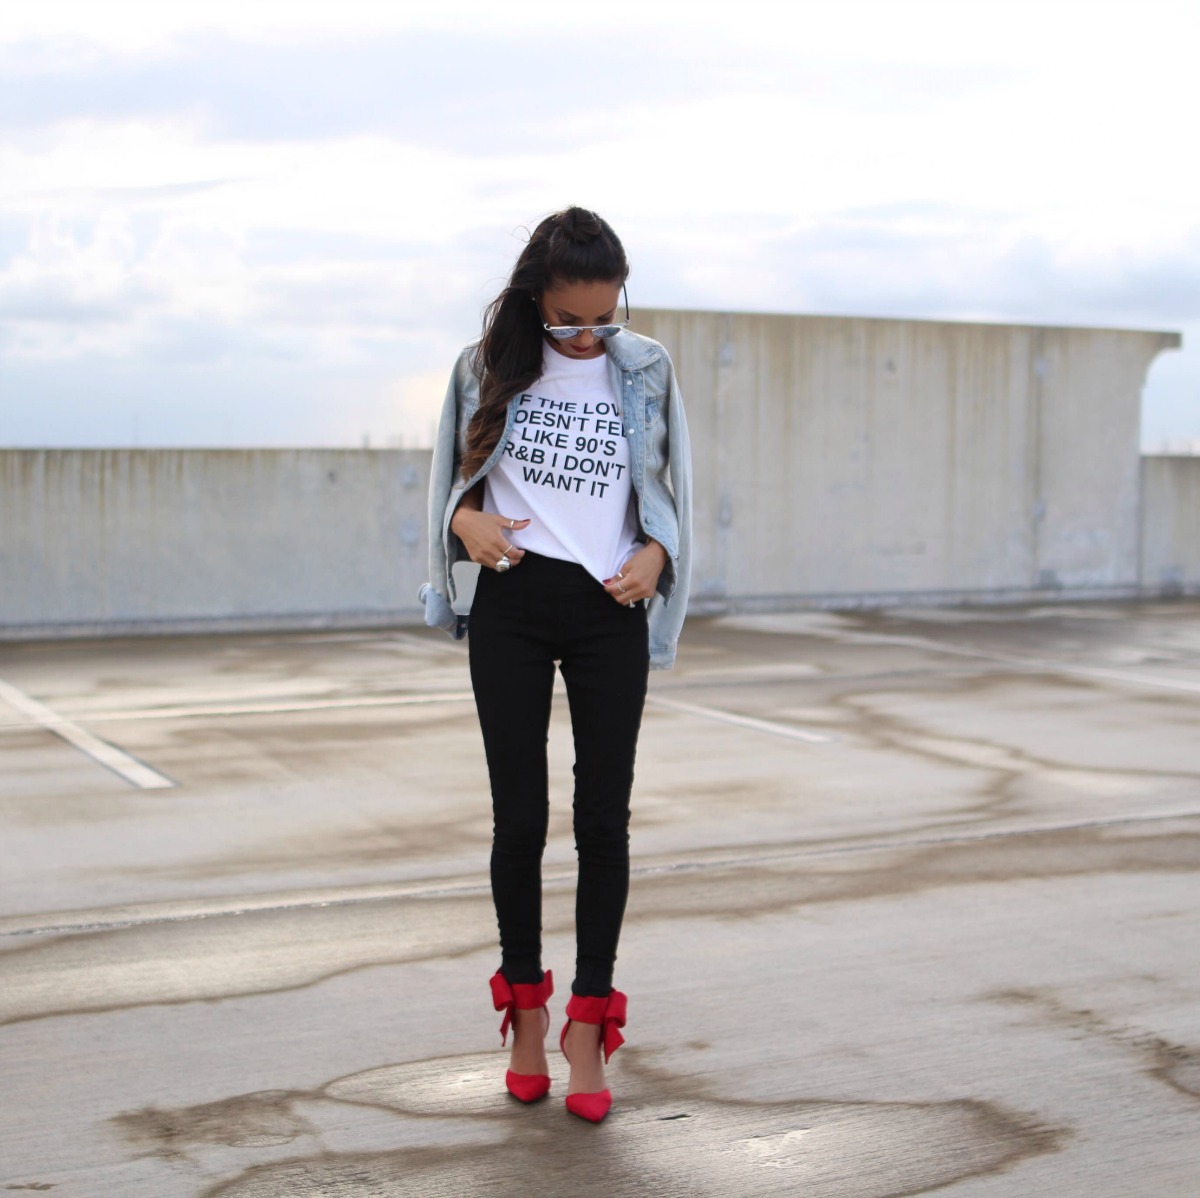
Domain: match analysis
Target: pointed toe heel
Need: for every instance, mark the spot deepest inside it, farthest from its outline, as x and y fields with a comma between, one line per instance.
x=528, y=1087
x=609, y=1014
x=506, y=997
x=592, y=1107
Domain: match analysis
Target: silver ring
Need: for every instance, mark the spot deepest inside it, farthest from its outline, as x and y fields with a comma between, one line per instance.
x=503, y=564
x=631, y=603
x=512, y=524
x=620, y=588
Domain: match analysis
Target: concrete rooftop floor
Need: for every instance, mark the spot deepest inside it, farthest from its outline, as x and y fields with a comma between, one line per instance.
x=915, y=907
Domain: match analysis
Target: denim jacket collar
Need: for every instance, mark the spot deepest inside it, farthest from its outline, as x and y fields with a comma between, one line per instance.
x=628, y=351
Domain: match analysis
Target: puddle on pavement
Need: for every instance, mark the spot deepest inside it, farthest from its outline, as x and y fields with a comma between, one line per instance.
x=663, y=1137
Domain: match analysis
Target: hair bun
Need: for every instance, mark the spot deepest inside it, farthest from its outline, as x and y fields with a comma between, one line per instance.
x=579, y=225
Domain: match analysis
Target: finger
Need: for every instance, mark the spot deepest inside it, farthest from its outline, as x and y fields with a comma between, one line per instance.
x=509, y=550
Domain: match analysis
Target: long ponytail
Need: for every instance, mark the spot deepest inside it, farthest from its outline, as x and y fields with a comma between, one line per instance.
x=572, y=246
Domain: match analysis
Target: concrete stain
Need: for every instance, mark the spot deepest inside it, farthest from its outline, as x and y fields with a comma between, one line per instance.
x=1176, y=1065
x=116, y=957
x=1005, y=771
x=780, y=882
x=1005, y=763
x=382, y=843
x=256, y=1120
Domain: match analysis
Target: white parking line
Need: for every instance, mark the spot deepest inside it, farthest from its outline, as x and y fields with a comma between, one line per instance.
x=743, y=721
x=100, y=751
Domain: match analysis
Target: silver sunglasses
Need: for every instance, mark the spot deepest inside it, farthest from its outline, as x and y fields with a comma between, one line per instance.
x=564, y=332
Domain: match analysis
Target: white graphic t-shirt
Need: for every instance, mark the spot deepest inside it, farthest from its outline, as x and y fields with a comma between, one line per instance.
x=565, y=466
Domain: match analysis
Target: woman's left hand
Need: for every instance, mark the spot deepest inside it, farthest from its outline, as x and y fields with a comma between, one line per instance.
x=638, y=576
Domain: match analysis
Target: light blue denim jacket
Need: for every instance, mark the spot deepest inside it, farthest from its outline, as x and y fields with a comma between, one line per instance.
x=660, y=456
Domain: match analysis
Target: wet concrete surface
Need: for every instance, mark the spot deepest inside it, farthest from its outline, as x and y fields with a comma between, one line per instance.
x=915, y=907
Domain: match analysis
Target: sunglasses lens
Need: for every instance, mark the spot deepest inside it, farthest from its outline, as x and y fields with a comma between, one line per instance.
x=566, y=332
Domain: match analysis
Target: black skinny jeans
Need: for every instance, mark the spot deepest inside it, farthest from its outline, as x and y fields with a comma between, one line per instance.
x=521, y=621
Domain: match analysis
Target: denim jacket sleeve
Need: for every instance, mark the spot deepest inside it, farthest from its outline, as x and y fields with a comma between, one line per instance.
x=437, y=593
x=666, y=615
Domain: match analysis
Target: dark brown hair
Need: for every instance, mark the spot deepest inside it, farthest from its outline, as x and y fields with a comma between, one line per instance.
x=572, y=246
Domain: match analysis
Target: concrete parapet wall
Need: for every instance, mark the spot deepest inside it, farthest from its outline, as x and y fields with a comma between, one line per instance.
x=172, y=539
x=1171, y=525
x=838, y=462
x=843, y=458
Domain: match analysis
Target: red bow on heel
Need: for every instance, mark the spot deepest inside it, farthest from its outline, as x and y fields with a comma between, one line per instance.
x=528, y=1087
x=609, y=1014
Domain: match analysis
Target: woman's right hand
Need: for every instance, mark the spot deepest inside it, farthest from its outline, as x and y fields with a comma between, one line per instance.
x=486, y=535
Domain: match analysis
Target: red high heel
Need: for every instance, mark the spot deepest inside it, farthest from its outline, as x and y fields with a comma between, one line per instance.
x=528, y=1087
x=609, y=1013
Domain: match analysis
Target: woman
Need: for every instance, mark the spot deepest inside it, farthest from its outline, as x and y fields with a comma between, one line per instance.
x=563, y=468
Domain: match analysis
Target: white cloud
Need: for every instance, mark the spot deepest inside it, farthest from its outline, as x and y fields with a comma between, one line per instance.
x=342, y=188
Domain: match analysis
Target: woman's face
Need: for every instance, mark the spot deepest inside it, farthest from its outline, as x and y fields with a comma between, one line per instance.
x=579, y=304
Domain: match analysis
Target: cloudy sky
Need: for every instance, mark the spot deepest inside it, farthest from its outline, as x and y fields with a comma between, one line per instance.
x=275, y=224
